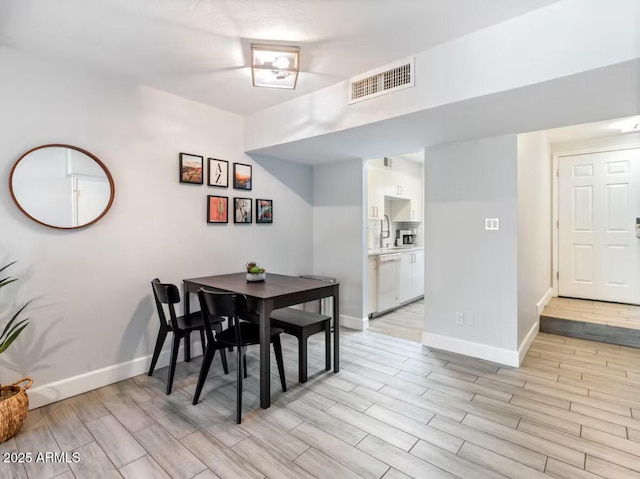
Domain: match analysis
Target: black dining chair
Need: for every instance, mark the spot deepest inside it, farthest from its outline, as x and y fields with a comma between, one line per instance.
x=181, y=327
x=239, y=334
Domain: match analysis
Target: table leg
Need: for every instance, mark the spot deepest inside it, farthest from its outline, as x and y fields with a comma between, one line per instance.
x=265, y=307
x=186, y=297
x=336, y=329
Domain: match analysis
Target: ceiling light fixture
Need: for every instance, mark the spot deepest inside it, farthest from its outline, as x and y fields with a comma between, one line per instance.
x=633, y=127
x=275, y=66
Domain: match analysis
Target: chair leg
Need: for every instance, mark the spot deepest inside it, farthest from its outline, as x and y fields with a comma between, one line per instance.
x=244, y=363
x=204, y=371
x=175, y=346
x=187, y=347
x=302, y=359
x=327, y=345
x=225, y=365
x=202, y=340
x=162, y=335
x=217, y=327
x=239, y=386
x=277, y=349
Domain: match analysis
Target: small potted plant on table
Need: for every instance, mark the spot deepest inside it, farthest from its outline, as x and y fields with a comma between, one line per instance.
x=255, y=272
x=14, y=403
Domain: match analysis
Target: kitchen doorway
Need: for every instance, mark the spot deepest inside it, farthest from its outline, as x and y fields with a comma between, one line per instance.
x=406, y=322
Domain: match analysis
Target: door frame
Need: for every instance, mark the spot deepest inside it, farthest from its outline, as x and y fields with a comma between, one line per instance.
x=555, y=202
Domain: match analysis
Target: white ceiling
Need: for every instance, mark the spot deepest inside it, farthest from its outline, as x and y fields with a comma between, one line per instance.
x=199, y=49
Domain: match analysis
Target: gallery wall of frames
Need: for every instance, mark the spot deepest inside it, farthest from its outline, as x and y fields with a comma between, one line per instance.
x=243, y=209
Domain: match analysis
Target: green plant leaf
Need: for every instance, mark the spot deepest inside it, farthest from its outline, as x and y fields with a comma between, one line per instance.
x=7, y=342
x=15, y=326
x=5, y=267
x=7, y=280
x=15, y=316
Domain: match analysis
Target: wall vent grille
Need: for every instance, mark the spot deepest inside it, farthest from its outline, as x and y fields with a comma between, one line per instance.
x=394, y=77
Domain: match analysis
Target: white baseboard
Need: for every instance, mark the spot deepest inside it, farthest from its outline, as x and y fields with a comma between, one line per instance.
x=544, y=301
x=352, y=322
x=526, y=342
x=59, y=390
x=468, y=348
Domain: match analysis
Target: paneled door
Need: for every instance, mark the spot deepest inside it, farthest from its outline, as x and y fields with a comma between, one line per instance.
x=599, y=201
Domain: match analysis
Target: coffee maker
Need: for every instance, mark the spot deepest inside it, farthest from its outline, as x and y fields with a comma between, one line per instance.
x=405, y=237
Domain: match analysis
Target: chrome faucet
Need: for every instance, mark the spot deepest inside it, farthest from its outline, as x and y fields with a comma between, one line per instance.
x=382, y=231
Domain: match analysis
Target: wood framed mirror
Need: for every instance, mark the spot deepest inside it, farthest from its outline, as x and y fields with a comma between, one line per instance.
x=61, y=186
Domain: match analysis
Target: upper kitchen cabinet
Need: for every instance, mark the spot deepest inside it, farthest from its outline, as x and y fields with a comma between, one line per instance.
x=409, y=206
x=375, y=192
x=400, y=180
x=395, y=184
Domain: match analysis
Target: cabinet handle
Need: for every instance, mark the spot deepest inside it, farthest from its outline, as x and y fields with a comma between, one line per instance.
x=376, y=215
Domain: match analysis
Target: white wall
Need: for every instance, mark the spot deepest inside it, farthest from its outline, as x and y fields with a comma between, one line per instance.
x=515, y=53
x=468, y=269
x=339, y=245
x=534, y=233
x=93, y=307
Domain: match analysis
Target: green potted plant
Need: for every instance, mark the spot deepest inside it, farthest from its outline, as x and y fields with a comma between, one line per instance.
x=14, y=402
x=255, y=272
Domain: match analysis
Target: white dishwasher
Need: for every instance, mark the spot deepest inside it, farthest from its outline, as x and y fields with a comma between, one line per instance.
x=388, y=280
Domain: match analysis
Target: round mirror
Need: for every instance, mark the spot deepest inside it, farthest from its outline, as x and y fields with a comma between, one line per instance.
x=61, y=186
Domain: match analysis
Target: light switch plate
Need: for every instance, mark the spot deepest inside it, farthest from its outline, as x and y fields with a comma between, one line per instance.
x=492, y=224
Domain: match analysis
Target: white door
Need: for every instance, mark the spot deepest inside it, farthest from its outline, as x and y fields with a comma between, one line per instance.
x=599, y=202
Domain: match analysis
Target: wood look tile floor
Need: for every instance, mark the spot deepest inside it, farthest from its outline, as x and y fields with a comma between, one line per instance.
x=406, y=322
x=395, y=410
x=598, y=312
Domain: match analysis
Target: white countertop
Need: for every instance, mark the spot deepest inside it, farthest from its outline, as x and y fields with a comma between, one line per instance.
x=394, y=249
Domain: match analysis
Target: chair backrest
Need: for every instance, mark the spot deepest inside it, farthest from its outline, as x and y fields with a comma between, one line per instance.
x=228, y=305
x=166, y=293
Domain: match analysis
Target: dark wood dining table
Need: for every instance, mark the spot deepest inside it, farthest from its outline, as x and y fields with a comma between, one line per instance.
x=277, y=291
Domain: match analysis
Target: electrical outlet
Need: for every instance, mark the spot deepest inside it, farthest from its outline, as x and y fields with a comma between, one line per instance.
x=459, y=318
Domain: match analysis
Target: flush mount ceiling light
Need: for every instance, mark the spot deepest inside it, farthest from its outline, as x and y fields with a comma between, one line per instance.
x=633, y=127
x=275, y=66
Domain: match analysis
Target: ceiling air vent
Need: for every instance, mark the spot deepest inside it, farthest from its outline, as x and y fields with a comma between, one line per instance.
x=394, y=77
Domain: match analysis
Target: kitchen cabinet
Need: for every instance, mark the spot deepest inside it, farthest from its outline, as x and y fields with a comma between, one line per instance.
x=400, y=279
x=411, y=281
x=375, y=193
x=394, y=184
x=372, y=290
x=417, y=274
x=404, y=190
x=409, y=208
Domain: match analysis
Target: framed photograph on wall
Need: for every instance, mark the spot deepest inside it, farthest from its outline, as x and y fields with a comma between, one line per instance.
x=218, y=173
x=217, y=209
x=241, y=176
x=191, y=168
x=242, y=210
x=264, y=211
